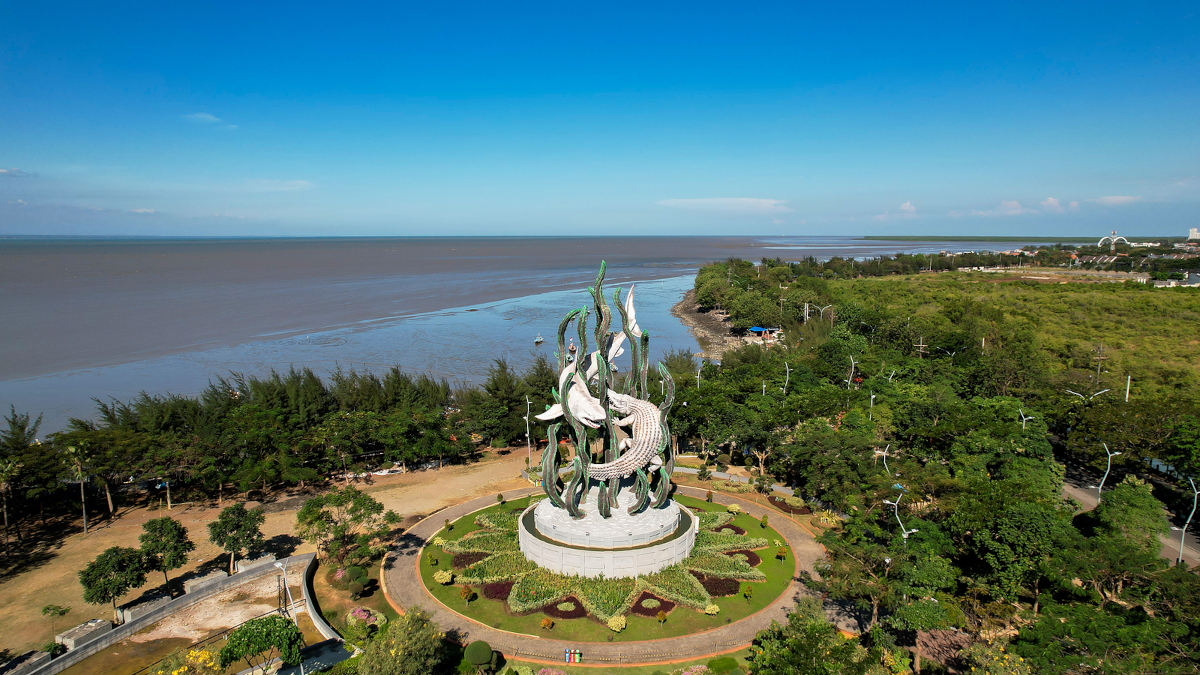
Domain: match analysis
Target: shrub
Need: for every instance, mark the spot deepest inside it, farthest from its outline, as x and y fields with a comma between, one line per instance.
x=565, y=606
x=466, y=593
x=547, y=623
x=433, y=561
x=651, y=603
x=617, y=623
x=53, y=648
x=438, y=541
x=733, y=508
x=712, y=610
x=661, y=616
x=781, y=553
x=763, y=523
x=704, y=473
x=500, y=498
x=449, y=526
x=794, y=502
x=708, y=496
x=443, y=577
x=478, y=653
x=356, y=589
x=747, y=592
x=356, y=573
x=826, y=518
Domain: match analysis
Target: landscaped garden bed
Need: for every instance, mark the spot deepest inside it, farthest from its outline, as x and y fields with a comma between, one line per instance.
x=750, y=557
x=510, y=593
x=650, y=605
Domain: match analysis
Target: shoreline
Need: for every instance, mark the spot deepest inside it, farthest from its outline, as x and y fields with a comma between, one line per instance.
x=710, y=330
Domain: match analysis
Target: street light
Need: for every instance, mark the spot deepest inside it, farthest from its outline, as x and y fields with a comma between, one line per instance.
x=1100, y=487
x=1183, y=531
x=288, y=590
x=528, y=449
x=884, y=454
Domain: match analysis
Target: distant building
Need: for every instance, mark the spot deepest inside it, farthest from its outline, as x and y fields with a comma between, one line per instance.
x=1191, y=279
x=1194, y=234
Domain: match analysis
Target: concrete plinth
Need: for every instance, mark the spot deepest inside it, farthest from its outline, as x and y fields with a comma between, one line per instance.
x=623, y=545
x=83, y=633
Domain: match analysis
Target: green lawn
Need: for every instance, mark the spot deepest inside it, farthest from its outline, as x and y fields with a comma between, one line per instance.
x=681, y=621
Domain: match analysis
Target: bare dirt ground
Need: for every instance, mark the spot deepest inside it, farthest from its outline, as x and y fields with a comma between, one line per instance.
x=54, y=580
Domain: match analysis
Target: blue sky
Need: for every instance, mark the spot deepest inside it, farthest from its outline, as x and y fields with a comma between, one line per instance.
x=259, y=118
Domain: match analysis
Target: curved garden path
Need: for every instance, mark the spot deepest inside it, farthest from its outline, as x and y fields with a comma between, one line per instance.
x=403, y=588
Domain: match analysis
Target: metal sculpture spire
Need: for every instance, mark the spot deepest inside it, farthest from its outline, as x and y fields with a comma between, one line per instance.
x=590, y=396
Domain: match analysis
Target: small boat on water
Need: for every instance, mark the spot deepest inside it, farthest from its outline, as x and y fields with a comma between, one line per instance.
x=538, y=340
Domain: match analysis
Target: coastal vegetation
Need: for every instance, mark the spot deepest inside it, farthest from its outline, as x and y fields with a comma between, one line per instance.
x=935, y=416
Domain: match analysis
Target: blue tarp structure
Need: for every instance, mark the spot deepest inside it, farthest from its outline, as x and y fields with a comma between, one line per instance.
x=757, y=329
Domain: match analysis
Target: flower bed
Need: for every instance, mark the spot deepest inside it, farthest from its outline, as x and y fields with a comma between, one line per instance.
x=650, y=605
x=730, y=529
x=466, y=559
x=498, y=590
x=752, y=558
x=567, y=608
x=717, y=586
x=788, y=508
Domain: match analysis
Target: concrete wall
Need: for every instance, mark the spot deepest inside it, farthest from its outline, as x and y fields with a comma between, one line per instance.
x=610, y=564
x=132, y=611
x=247, y=565
x=200, y=583
x=86, y=649
x=82, y=633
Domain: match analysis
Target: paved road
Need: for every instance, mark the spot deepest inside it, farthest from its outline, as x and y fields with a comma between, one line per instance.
x=403, y=588
x=1077, y=487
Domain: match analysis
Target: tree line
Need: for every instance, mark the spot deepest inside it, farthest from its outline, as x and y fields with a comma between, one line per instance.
x=245, y=433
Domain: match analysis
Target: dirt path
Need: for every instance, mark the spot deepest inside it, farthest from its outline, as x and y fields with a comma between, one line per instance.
x=56, y=581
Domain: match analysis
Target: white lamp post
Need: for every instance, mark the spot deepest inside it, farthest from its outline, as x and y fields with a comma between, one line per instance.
x=1182, y=532
x=1100, y=487
x=288, y=591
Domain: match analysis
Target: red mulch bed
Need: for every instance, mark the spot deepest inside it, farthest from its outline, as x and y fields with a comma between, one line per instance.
x=788, y=508
x=718, y=587
x=663, y=605
x=731, y=529
x=751, y=557
x=552, y=609
x=498, y=590
x=464, y=559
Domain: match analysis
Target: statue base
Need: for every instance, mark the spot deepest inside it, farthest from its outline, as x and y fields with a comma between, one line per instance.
x=622, y=545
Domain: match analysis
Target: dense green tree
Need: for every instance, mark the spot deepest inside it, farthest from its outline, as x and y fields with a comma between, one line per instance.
x=346, y=525
x=808, y=643
x=237, y=530
x=258, y=641
x=165, y=545
x=410, y=645
x=112, y=574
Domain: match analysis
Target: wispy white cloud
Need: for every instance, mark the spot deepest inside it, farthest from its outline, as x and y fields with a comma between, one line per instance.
x=147, y=211
x=1116, y=200
x=740, y=205
x=14, y=173
x=202, y=118
x=1007, y=207
x=17, y=202
x=209, y=119
x=272, y=185
x=905, y=211
x=1052, y=205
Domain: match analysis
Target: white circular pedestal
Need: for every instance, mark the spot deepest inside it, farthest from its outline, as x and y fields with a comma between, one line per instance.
x=622, y=545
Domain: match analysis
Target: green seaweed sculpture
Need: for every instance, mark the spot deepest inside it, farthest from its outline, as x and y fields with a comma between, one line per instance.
x=597, y=407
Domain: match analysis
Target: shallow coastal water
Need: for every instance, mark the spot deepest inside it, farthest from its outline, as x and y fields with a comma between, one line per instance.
x=111, y=318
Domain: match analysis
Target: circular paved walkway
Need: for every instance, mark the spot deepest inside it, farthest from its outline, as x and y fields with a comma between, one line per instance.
x=403, y=588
